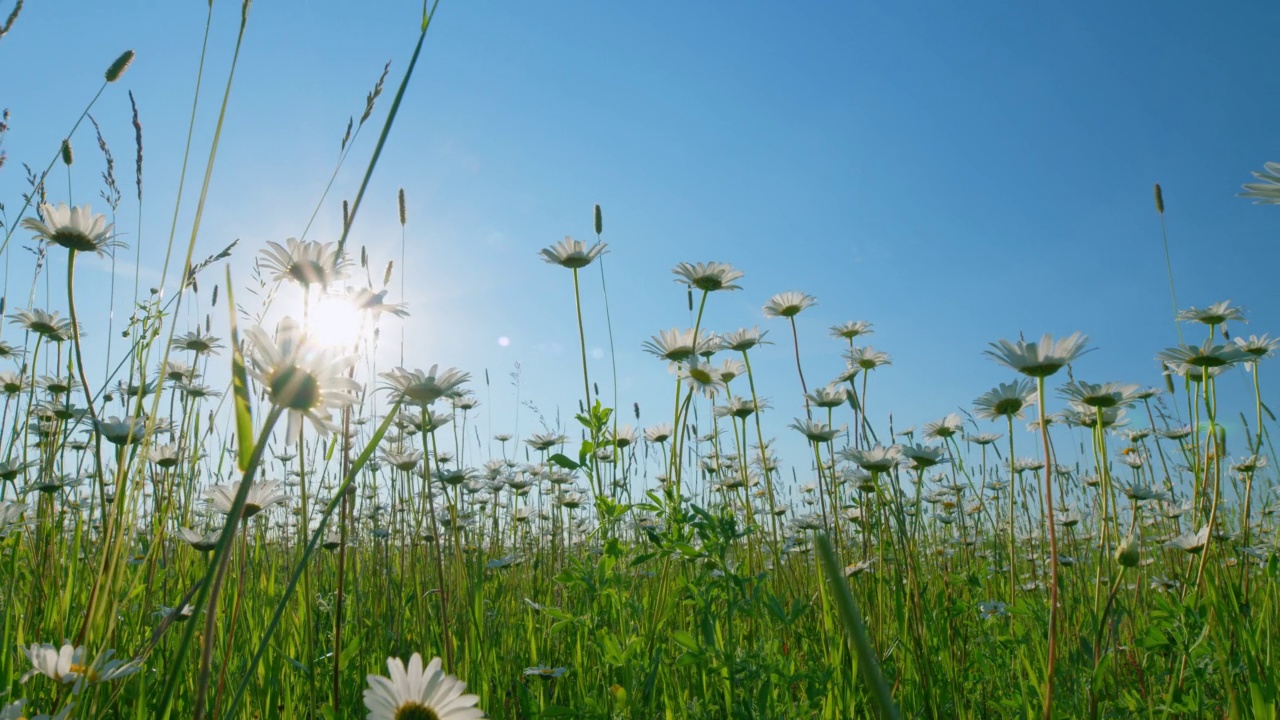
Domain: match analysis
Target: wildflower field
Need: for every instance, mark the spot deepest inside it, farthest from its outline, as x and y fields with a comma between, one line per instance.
x=233, y=511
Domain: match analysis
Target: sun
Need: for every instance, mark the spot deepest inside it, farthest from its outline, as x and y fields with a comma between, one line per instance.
x=333, y=321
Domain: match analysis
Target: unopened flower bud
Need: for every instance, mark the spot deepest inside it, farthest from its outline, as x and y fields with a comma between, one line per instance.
x=1127, y=552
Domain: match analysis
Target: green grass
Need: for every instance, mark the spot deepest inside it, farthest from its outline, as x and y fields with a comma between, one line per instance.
x=571, y=585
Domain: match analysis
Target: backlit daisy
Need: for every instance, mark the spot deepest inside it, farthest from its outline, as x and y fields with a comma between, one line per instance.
x=305, y=262
x=300, y=377
x=701, y=378
x=1266, y=192
x=47, y=325
x=851, y=329
x=1215, y=314
x=744, y=339
x=572, y=254
x=709, y=277
x=816, y=432
x=1258, y=347
x=788, y=304
x=1205, y=356
x=74, y=228
x=11, y=352
x=874, y=459
x=829, y=396
x=420, y=388
x=678, y=345
x=948, y=426
x=1039, y=359
x=1104, y=395
x=261, y=496
x=1005, y=400
x=658, y=433
x=198, y=343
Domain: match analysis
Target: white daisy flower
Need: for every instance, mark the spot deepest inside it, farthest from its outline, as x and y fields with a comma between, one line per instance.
x=301, y=377
x=1040, y=359
x=709, y=277
x=417, y=693
x=305, y=262
x=788, y=304
x=261, y=496
x=572, y=254
x=74, y=228
x=421, y=388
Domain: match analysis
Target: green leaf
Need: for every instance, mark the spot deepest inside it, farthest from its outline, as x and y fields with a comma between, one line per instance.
x=685, y=639
x=349, y=652
x=558, y=614
x=641, y=559
x=563, y=461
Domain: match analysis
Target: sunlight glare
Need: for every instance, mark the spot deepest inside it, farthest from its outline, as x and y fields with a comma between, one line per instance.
x=335, y=322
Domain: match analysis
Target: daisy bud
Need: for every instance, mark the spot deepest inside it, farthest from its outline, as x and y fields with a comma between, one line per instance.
x=402, y=213
x=119, y=66
x=599, y=220
x=1127, y=552
x=1159, y=200
x=67, y=157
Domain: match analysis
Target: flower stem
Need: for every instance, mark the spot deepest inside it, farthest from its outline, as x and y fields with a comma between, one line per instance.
x=1053, y=554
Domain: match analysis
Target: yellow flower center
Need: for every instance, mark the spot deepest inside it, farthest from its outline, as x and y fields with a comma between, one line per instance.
x=84, y=671
x=415, y=711
x=295, y=388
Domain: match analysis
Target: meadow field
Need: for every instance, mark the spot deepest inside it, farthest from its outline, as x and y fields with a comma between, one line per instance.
x=233, y=511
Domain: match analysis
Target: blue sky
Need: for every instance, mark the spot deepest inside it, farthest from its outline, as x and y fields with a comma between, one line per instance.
x=954, y=173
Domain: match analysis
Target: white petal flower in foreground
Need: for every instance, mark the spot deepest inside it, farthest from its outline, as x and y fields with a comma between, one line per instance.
x=1266, y=192
x=417, y=693
x=421, y=388
x=572, y=254
x=1005, y=400
x=709, y=277
x=301, y=377
x=788, y=304
x=308, y=262
x=1216, y=314
x=74, y=228
x=1190, y=542
x=1040, y=359
x=51, y=661
x=67, y=665
x=261, y=496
